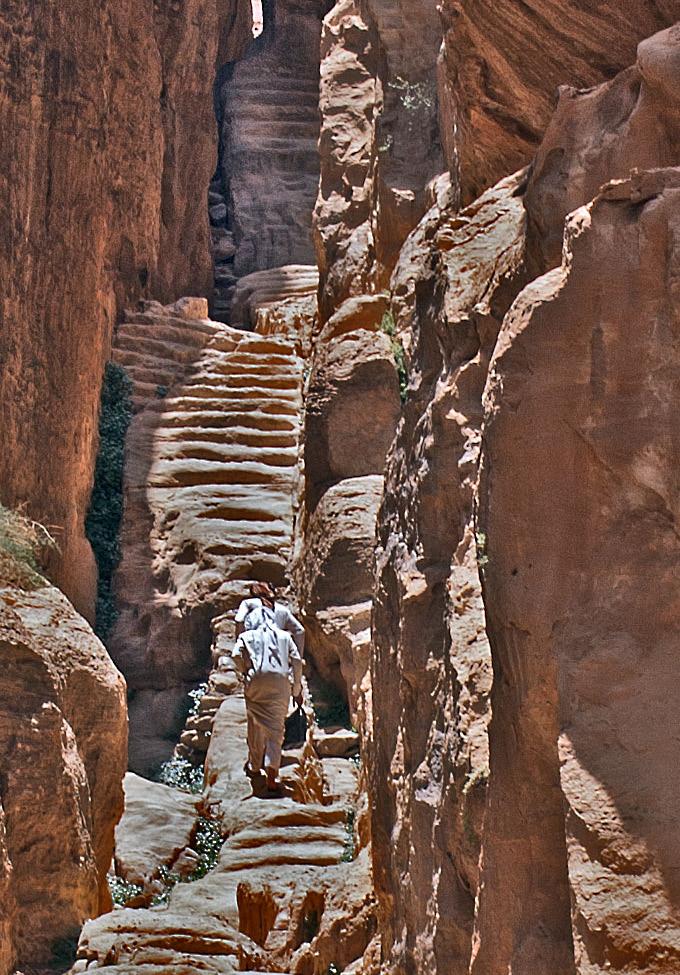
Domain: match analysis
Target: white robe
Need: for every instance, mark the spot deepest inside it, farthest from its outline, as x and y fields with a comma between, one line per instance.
x=253, y=613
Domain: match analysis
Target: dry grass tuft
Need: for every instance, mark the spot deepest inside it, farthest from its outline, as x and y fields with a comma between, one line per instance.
x=24, y=543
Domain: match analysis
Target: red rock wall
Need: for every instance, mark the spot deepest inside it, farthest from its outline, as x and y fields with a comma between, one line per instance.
x=502, y=63
x=63, y=737
x=108, y=146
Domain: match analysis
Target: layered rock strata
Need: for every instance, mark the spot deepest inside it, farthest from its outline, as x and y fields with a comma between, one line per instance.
x=210, y=485
x=262, y=198
x=581, y=781
x=62, y=750
x=107, y=152
x=502, y=63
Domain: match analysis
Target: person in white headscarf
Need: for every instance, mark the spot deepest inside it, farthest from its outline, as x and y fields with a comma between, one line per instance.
x=271, y=665
x=263, y=605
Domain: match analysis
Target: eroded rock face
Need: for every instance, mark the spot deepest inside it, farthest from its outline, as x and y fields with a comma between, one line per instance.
x=379, y=143
x=632, y=122
x=106, y=155
x=352, y=407
x=430, y=666
x=581, y=779
x=210, y=485
x=502, y=63
x=267, y=102
x=63, y=743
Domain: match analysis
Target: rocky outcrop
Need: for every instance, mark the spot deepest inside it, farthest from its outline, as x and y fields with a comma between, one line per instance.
x=502, y=63
x=581, y=780
x=157, y=827
x=379, y=144
x=210, y=484
x=633, y=122
x=262, y=197
x=430, y=665
x=107, y=151
x=281, y=889
x=62, y=751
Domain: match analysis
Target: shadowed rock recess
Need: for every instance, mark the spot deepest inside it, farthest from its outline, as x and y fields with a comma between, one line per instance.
x=394, y=290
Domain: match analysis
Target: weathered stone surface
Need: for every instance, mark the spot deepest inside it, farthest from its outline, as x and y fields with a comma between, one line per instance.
x=339, y=543
x=379, y=143
x=580, y=588
x=269, y=126
x=270, y=286
x=352, y=408
x=156, y=826
x=430, y=665
x=210, y=483
x=107, y=150
x=503, y=61
x=631, y=122
x=349, y=104
x=62, y=751
x=279, y=898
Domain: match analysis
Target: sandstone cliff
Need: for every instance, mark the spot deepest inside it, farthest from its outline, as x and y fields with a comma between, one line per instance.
x=107, y=150
x=63, y=750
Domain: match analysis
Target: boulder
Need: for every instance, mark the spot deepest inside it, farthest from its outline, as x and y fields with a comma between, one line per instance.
x=156, y=826
x=630, y=122
x=352, y=408
x=63, y=738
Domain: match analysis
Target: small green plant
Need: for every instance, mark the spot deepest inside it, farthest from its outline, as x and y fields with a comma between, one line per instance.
x=349, y=852
x=482, y=557
x=161, y=391
x=207, y=842
x=181, y=774
x=414, y=95
x=23, y=542
x=196, y=694
x=102, y=524
x=122, y=891
x=388, y=326
x=168, y=880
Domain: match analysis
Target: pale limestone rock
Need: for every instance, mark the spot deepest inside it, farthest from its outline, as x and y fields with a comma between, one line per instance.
x=62, y=754
x=335, y=742
x=270, y=286
x=339, y=541
x=352, y=408
x=156, y=826
x=210, y=485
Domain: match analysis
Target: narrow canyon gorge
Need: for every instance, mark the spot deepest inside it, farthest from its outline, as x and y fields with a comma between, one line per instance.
x=377, y=302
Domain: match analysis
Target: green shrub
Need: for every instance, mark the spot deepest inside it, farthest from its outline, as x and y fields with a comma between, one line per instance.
x=181, y=774
x=349, y=853
x=23, y=542
x=122, y=891
x=105, y=514
x=207, y=842
x=388, y=326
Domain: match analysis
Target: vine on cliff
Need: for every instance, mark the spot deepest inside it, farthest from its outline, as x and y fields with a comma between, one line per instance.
x=105, y=514
x=388, y=326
